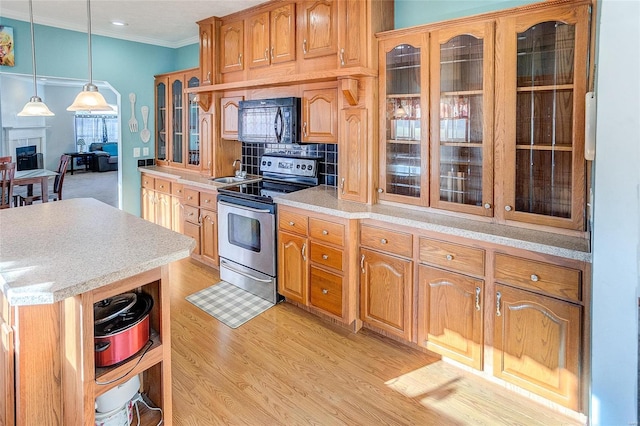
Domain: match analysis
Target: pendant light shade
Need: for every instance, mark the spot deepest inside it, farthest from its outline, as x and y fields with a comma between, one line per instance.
x=35, y=107
x=89, y=99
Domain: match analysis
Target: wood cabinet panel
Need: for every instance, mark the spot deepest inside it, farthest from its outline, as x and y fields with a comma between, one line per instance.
x=386, y=284
x=192, y=229
x=353, y=159
x=450, y=315
x=229, y=117
x=191, y=197
x=232, y=46
x=209, y=235
x=283, y=34
x=554, y=280
x=192, y=214
x=148, y=182
x=399, y=243
x=452, y=256
x=163, y=186
x=319, y=28
x=326, y=290
x=207, y=51
x=324, y=255
x=537, y=344
x=292, y=222
x=208, y=200
x=293, y=270
x=258, y=40
x=328, y=232
x=320, y=115
x=7, y=366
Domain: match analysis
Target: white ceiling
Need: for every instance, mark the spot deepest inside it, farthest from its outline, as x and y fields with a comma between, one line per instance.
x=163, y=23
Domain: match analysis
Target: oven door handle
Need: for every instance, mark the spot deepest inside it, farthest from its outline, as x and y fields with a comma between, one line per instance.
x=244, y=274
x=244, y=207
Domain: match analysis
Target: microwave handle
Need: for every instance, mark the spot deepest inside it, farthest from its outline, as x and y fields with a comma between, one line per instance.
x=278, y=120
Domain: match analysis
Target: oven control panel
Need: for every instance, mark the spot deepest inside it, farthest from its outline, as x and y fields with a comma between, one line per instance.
x=290, y=166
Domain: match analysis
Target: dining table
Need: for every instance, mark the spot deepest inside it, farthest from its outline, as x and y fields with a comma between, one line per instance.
x=35, y=176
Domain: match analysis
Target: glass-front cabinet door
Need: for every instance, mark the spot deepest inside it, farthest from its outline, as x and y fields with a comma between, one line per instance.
x=193, y=132
x=177, y=129
x=403, y=148
x=162, y=88
x=461, y=118
x=540, y=115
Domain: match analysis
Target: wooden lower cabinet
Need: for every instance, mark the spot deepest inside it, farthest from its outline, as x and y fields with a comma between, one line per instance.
x=7, y=367
x=293, y=267
x=537, y=344
x=201, y=223
x=386, y=285
x=209, y=235
x=450, y=315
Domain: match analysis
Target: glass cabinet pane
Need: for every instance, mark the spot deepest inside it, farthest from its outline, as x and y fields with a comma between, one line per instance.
x=176, y=148
x=544, y=119
x=461, y=120
x=403, y=118
x=161, y=121
x=194, y=136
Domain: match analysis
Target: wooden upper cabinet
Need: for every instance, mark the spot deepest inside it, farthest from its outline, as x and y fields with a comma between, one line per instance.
x=229, y=117
x=462, y=78
x=162, y=119
x=352, y=45
x=207, y=49
x=320, y=115
x=541, y=82
x=353, y=183
x=232, y=46
x=319, y=32
x=271, y=36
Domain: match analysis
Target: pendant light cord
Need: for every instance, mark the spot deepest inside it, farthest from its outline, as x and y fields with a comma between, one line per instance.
x=33, y=50
x=89, y=21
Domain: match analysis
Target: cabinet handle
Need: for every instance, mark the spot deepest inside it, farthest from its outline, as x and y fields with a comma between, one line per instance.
x=325, y=257
x=189, y=197
x=325, y=291
x=534, y=278
x=304, y=249
x=477, y=298
x=342, y=185
x=208, y=77
x=304, y=46
x=342, y=57
x=507, y=208
x=487, y=206
x=272, y=53
x=498, y=297
x=383, y=241
x=240, y=59
x=325, y=232
x=200, y=219
x=449, y=257
x=362, y=263
x=291, y=223
x=266, y=53
x=304, y=129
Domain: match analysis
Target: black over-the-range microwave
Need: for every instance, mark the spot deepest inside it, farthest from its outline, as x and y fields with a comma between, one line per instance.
x=269, y=120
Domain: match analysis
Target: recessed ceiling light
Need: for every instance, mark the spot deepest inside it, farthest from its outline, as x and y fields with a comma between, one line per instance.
x=119, y=23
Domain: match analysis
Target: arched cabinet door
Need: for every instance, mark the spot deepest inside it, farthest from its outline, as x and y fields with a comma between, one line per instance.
x=541, y=82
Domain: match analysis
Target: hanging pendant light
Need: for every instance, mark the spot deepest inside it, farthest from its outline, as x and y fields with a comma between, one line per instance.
x=35, y=107
x=89, y=99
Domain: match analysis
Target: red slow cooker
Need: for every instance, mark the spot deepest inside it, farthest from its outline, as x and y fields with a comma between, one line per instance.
x=121, y=327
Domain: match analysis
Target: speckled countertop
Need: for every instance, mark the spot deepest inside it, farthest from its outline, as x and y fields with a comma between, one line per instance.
x=189, y=178
x=323, y=199
x=52, y=251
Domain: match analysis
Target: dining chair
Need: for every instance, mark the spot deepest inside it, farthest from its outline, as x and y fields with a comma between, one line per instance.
x=56, y=194
x=5, y=160
x=7, y=171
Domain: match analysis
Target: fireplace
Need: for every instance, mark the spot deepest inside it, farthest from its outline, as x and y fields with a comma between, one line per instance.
x=27, y=158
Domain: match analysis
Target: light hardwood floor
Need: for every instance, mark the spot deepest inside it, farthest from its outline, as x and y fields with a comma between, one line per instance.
x=288, y=367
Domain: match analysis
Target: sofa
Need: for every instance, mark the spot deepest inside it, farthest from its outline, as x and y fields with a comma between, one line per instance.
x=105, y=156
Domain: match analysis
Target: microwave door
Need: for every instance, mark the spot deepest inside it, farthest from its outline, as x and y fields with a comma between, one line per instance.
x=254, y=123
x=278, y=125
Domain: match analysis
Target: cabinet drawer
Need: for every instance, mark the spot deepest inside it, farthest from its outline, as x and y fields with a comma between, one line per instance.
x=555, y=280
x=327, y=256
x=191, y=197
x=163, y=185
x=452, y=256
x=177, y=189
x=328, y=232
x=148, y=182
x=292, y=222
x=208, y=200
x=191, y=214
x=326, y=291
x=385, y=240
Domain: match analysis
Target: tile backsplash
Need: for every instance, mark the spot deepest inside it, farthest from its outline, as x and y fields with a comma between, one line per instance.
x=328, y=153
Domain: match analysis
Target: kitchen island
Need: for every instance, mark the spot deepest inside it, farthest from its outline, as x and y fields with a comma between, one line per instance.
x=56, y=261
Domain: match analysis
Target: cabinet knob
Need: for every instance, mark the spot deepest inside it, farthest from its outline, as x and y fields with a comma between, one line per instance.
x=383, y=241
x=207, y=201
x=487, y=206
x=507, y=208
x=325, y=291
x=325, y=257
x=449, y=257
x=325, y=232
x=380, y=190
x=161, y=186
x=534, y=278
x=291, y=223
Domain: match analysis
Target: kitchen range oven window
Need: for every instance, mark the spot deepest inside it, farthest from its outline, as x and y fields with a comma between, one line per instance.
x=244, y=232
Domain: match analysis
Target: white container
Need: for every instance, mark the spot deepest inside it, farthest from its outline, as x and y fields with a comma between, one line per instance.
x=122, y=416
